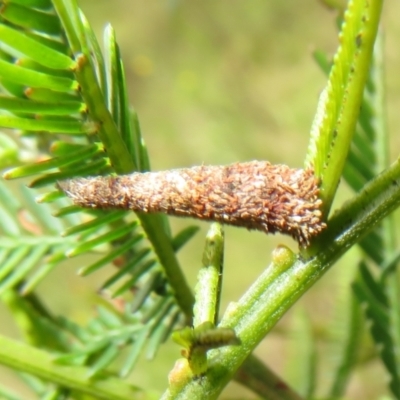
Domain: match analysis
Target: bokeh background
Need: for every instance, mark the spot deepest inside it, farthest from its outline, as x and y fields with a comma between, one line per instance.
x=215, y=82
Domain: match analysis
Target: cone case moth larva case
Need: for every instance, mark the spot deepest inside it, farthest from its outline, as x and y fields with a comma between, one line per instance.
x=255, y=195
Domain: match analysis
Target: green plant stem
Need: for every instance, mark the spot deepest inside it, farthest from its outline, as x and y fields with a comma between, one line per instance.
x=261, y=380
x=24, y=358
x=269, y=298
x=209, y=280
x=118, y=151
x=107, y=129
x=328, y=148
x=152, y=225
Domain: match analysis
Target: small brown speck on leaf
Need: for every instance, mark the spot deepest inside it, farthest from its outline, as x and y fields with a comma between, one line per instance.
x=255, y=195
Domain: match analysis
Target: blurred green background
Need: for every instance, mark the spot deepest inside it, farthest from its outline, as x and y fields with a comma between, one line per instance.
x=217, y=82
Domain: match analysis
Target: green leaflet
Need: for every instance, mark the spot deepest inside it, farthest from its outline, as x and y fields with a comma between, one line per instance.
x=67, y=126
x=37, y=51
x=27, y=77
x=30, y=18
x=13, y=104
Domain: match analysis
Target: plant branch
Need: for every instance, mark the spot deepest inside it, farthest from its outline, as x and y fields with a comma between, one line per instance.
x=272, y=295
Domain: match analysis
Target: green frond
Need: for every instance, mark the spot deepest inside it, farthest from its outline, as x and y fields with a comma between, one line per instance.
x=26, y=259
x=369, y=149
x=111, y=333
x=368, y=155
x=75, y=110
x=22, y=251
x=377, y=312
x=337, y=113
x=36, y=324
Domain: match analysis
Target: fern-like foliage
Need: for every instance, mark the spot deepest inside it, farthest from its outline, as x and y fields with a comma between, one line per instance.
x=368, y=156
x=335, y=121
x=67, y=104
x=379, y=295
